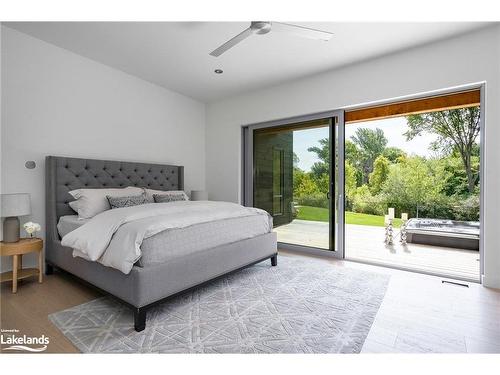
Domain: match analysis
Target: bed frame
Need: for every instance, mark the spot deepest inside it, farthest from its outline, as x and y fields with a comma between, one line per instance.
x=143, y=287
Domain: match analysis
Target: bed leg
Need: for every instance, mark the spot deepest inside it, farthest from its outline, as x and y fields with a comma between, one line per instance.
x=140, y=319
x=49, y=269
x=274, y=260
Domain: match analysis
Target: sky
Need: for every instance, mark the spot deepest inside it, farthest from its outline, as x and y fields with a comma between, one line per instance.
x=393, y=130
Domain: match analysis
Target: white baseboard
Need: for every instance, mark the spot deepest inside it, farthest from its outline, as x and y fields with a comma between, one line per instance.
x=491, y=282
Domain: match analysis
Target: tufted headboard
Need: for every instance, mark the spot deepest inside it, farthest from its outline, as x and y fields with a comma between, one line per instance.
x=66, y=174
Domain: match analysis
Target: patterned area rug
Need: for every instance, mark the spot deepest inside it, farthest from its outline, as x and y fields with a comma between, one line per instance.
x=304, y=305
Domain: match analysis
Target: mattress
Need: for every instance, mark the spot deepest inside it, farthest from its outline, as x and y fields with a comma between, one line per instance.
x=175, y=243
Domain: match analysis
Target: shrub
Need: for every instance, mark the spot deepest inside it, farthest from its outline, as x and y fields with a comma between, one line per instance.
x=366, y=203
x=379, y=175
x=350, y=184
x=304, y=185
x=467, y=209
x=437, y=207
x=313, y=200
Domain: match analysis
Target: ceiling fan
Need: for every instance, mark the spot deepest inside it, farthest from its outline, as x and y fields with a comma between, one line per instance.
x=264, y=27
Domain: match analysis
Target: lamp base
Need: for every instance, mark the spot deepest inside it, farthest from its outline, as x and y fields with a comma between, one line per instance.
x=11, y=229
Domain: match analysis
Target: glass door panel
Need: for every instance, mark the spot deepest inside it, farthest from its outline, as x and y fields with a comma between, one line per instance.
x=293, y=179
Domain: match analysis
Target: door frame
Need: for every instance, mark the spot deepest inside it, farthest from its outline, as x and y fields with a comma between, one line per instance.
x=336, y=217
x=481, y=85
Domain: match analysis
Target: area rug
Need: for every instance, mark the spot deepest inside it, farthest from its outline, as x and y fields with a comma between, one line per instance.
x=304, y=305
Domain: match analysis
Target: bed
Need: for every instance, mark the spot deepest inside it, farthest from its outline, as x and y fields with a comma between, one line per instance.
x=154, y=278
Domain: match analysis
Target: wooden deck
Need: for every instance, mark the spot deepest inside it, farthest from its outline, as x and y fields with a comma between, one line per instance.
x=366, y=244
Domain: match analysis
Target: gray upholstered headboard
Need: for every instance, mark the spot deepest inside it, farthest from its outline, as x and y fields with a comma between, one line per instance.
x=66, y=174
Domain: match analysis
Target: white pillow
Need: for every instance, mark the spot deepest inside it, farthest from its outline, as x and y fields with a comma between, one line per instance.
x=74, y=205
x=151, y=192
x=90, y=202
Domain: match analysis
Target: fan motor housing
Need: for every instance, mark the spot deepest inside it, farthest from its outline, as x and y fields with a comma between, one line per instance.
x=260, y=27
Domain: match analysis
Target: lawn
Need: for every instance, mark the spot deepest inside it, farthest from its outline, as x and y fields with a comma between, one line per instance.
x=321, y=214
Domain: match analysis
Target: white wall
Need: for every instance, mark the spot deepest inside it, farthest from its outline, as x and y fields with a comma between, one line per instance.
x=58, y=103
x=465, y=59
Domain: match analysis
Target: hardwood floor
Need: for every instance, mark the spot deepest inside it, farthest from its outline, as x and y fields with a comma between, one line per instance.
x=419, y=312
x=28, y=309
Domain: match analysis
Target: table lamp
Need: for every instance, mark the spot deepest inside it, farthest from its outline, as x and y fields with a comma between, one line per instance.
x=13, y=206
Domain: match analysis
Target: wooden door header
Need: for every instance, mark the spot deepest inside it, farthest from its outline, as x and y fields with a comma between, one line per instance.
x=431, y=104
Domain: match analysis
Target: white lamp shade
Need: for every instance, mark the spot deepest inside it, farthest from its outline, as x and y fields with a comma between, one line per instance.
x=15, y=205
x=199, y=195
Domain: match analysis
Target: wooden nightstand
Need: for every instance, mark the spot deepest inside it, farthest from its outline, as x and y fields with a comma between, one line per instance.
x=17, y=250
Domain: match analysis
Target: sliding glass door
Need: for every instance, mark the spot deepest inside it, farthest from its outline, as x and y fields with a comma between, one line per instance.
x=398, y=186
x=292, y=171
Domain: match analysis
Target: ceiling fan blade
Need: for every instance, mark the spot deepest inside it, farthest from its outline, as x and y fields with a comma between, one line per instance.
x=305, y=32
x=231, y=42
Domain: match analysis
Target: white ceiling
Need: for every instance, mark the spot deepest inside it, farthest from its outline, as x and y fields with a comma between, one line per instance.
x=175, y=55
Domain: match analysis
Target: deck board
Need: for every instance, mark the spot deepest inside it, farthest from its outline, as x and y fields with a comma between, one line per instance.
x=366, y=244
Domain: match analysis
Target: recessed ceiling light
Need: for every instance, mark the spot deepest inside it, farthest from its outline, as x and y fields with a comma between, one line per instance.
x=218, y=71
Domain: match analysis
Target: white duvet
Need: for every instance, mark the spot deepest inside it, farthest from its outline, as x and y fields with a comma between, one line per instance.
x=114, y=237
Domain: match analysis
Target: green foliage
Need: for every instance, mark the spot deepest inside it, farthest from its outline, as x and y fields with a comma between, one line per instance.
x=350, y=183
x=306, y=189
x=304, y=184
x=352, y=153
x=323, y=153
x=296, y=160
x=407, y=185
x=367, y=219
x=371, y=144
x=394, y=154
x=313, y=213
x=365, y=202
x=322, y=214
x=467, y=209
x=457, y=131
x=379, y=174
x=455, y=176
x=378, y=177
x=437, y=206
x=323, y=182
x=314, y=200
x=353, y=157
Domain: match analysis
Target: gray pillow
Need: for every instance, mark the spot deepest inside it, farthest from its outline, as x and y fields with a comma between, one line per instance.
x=164, y=198
x=132, y=200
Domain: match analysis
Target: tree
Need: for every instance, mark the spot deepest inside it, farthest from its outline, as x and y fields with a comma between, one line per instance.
x=411, y=185
x=371, y=144
x=296, y=160
x=353, y=157
x=323, y=183
x=352, y=153
x=305, y=186
x=350, y=183
x=457, y=130
x=394, y=154
x=379, y=174
x=323, y=153
x=452, y=174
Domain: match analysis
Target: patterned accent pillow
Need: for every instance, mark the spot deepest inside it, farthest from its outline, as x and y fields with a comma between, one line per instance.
x=164, y=198
x=132, y=200
x=151, y=192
